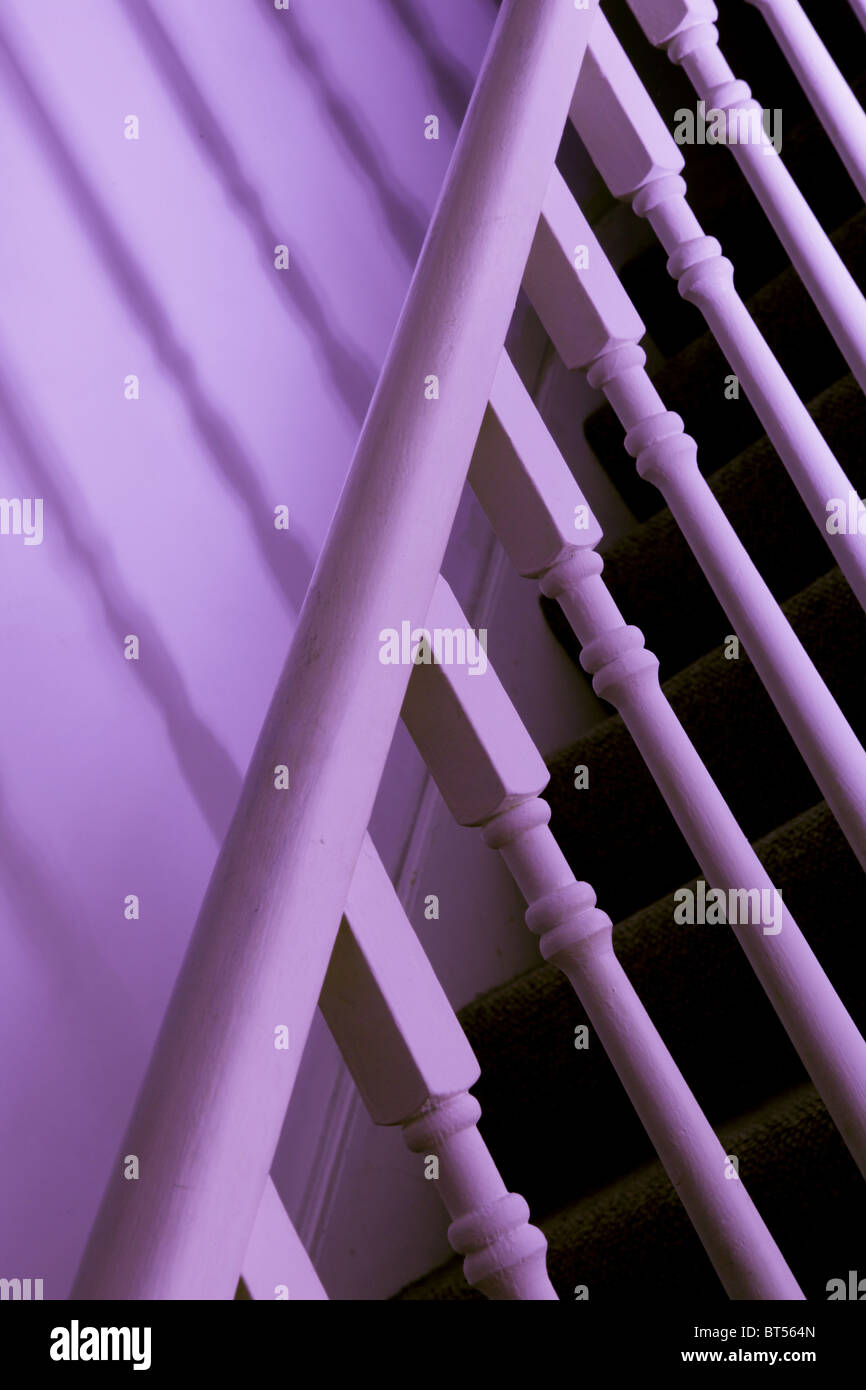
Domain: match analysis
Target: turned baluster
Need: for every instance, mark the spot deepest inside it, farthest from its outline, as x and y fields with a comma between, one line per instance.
x=208, y=1116
x=413, y=1067
x=537, y=530
x=594, y=327
x=814, y=1016
x=686, y=30
x=833, y=102
x=504, y=1254
x=642, y=164
x=490, y=773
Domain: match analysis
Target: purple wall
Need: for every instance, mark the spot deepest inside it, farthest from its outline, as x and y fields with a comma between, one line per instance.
x=155, y=257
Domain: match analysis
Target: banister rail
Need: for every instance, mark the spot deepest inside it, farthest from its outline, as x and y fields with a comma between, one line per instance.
x=208, y=1117
x=267, y=946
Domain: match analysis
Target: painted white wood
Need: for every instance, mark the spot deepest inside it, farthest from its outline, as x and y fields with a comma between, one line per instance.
x=457, y=718
x=367, y=1229
x=835, y=105
x=208, y=1117
x=640, y=161
x=609, y=320
x=504, y=1256
x=685, y=28
x=413, y=1066
x=626, y=675
x=277, y=1265
x=530, y=496
x=617, y=120
x=322, y=1118
x=387, y=1011
x=348, y=1188
x=666, y=456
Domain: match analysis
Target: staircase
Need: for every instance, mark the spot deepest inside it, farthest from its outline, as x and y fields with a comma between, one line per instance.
x=566, y=1135
x=577, y=1089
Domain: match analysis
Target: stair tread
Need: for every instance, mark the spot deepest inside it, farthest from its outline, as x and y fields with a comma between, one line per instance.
x=557, y=1119
x=633, y=1240
x=659, y=585
x=692, y=383
x=728, y=210
x=536, y=1089
x=736, y=729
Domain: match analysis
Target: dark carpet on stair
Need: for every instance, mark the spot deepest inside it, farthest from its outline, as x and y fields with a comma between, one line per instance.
x=556, y=1117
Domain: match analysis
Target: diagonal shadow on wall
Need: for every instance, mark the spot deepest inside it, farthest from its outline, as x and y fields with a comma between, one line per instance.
x=454, y=84
x=286, y=555
x=352, y=375
x=405, y=218
x=207, y=768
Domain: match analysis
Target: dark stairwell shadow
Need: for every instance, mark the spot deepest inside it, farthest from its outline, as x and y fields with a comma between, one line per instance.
x=404, y=216
x=352, y=375
x=207, y=768
x=287, y=555
x=454, y=84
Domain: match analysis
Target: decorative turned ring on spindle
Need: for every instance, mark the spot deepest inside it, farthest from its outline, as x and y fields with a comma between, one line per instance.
x=477, y=1229
x=700, y=35
x=700, y=281
x=440, y=1120
x=731, y=96
x=661, y=449
x=665, y=189
x=614, y=364
x=496, y=1238
x=568, y=573
x=510, y=825
x=692, y=253
x=566, y=918
x=615, y=657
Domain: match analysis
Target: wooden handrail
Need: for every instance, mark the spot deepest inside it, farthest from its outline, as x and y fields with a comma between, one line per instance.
x=209, y=1114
